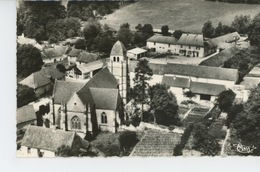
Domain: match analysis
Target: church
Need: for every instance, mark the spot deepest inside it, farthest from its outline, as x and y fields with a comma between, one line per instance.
x=98, y=104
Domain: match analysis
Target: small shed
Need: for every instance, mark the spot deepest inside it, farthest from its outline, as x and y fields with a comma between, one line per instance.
x=136, y=53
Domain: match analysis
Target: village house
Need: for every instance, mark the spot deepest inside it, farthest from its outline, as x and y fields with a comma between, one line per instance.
x=55, y=55
x=25, y=116
x=72, y=56
x=45, y=142
x=190, y=45
x=136, y=53
x=41, y=81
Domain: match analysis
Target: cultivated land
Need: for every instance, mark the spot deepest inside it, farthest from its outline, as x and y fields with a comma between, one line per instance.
x=188, y=15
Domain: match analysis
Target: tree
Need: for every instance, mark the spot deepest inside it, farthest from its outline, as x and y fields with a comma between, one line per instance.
x=143, y=73
x=91, y=31
x=127, y=140
x=177, y=34
x=163, y=105
x=233, y=112
x=208, y=30
x=80, y=44
x=29, y=60
x=225, y=100
x=203, y=141
x=147, y=31
x=24, y=95
x=189, y=94
x=165, y=30
x=241, y=23
x=125, y=34
x=142, y=34
x=219, y=29
x=253, y=103
x=254, y=31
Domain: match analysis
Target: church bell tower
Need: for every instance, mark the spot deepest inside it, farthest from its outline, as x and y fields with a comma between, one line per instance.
x=118, y=66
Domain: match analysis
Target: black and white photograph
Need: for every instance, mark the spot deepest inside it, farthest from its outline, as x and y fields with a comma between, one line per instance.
x=137, y=78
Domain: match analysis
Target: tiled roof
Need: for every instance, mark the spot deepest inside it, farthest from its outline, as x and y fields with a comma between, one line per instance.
x=74, y=52
x=36, y=80
x=25, y=113
x=206, y=88
x=63, y=90
x=52, y=52
x=103, y=79
x=219, y=59
x=87, y=57
x=162, y=39
x=191, y=39
x=230, y=37
x=98, y=64
x=172, y=81
x=118, y=49
x=49, y=139
x=105, y=98
x=53, y=72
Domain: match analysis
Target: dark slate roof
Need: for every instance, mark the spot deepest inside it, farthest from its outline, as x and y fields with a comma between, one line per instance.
x=74, y=52
x=52, y=52
x=105, y=98
x=52, y=72
x=206, y=88
x=230, y=37
x=63, y=90
x=118, y=49
x=162, y=39
x=36, y=80
x=87, y=57
x=191, y=39
x=49, y=139
x=103, y=79
x=202, y=71
x=25, y=113
x=219, y=59
x=176, y=81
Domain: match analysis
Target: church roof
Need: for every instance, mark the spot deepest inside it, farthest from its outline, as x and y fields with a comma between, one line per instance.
x=49, y=139
x=25, y=113
x=105, y=98
x=118, y=49
x=63, y=90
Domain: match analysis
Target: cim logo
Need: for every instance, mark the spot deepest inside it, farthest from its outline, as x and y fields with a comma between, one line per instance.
x=244, y=149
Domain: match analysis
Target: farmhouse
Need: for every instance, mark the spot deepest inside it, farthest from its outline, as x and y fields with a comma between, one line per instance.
x=136, y=53
x=190, y=45
x=44, y=142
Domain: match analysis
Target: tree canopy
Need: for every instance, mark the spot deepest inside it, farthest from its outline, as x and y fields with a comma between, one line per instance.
x=163, y=105
x=165, y=30
x=125, y=34
x=241, y=23
x=29, y=60
x=24, y=95
x=225, y=100
x=208, y=29
x=91, y=31
x=254, y=31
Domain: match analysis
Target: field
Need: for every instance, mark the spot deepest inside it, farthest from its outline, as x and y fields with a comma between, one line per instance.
x=188, y=15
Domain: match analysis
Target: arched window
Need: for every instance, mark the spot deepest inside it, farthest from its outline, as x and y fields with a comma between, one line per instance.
x=75, y=123
x=114, y=59
x=103, y=118
x=117, y=59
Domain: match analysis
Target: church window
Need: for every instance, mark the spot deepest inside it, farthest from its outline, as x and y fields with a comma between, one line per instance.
x=114, y=59
x=75, y=123
x=103, y=118
x=117, y=59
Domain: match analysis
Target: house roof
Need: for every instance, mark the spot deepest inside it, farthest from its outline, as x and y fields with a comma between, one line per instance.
x=103, y=79
x=162, y=39
x=250, y=82
x=25, y=113
x=219, y=59
x=206, y=88
x=191, y=39
x=63, y=49
x=230, y=37
x=52, y=52
x=201, y=71
x=98, y=64
x=63, y=90
x=173, y=81
x=48, y=139
x=87, y=57
x=35, y=80
x=74, y=52
x=105, y=98
x=52, y=72
x=255, y=72
x=118, y=49
x=137, y=51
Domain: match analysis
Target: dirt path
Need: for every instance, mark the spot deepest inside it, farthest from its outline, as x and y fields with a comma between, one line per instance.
x=222, y=153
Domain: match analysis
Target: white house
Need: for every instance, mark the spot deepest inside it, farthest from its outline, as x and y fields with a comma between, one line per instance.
x=136, y=53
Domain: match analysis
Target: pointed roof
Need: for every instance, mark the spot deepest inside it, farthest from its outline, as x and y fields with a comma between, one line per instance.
x=36, y=80
x=25, y=113
x=118, y=49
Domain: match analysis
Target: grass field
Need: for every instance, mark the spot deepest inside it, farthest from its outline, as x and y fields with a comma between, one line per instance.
x=188, y=15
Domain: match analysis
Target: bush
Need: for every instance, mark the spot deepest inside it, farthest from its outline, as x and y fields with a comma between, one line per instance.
x=127, y=140
x=52, y=40
x=81, y=44
x=135, y=120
